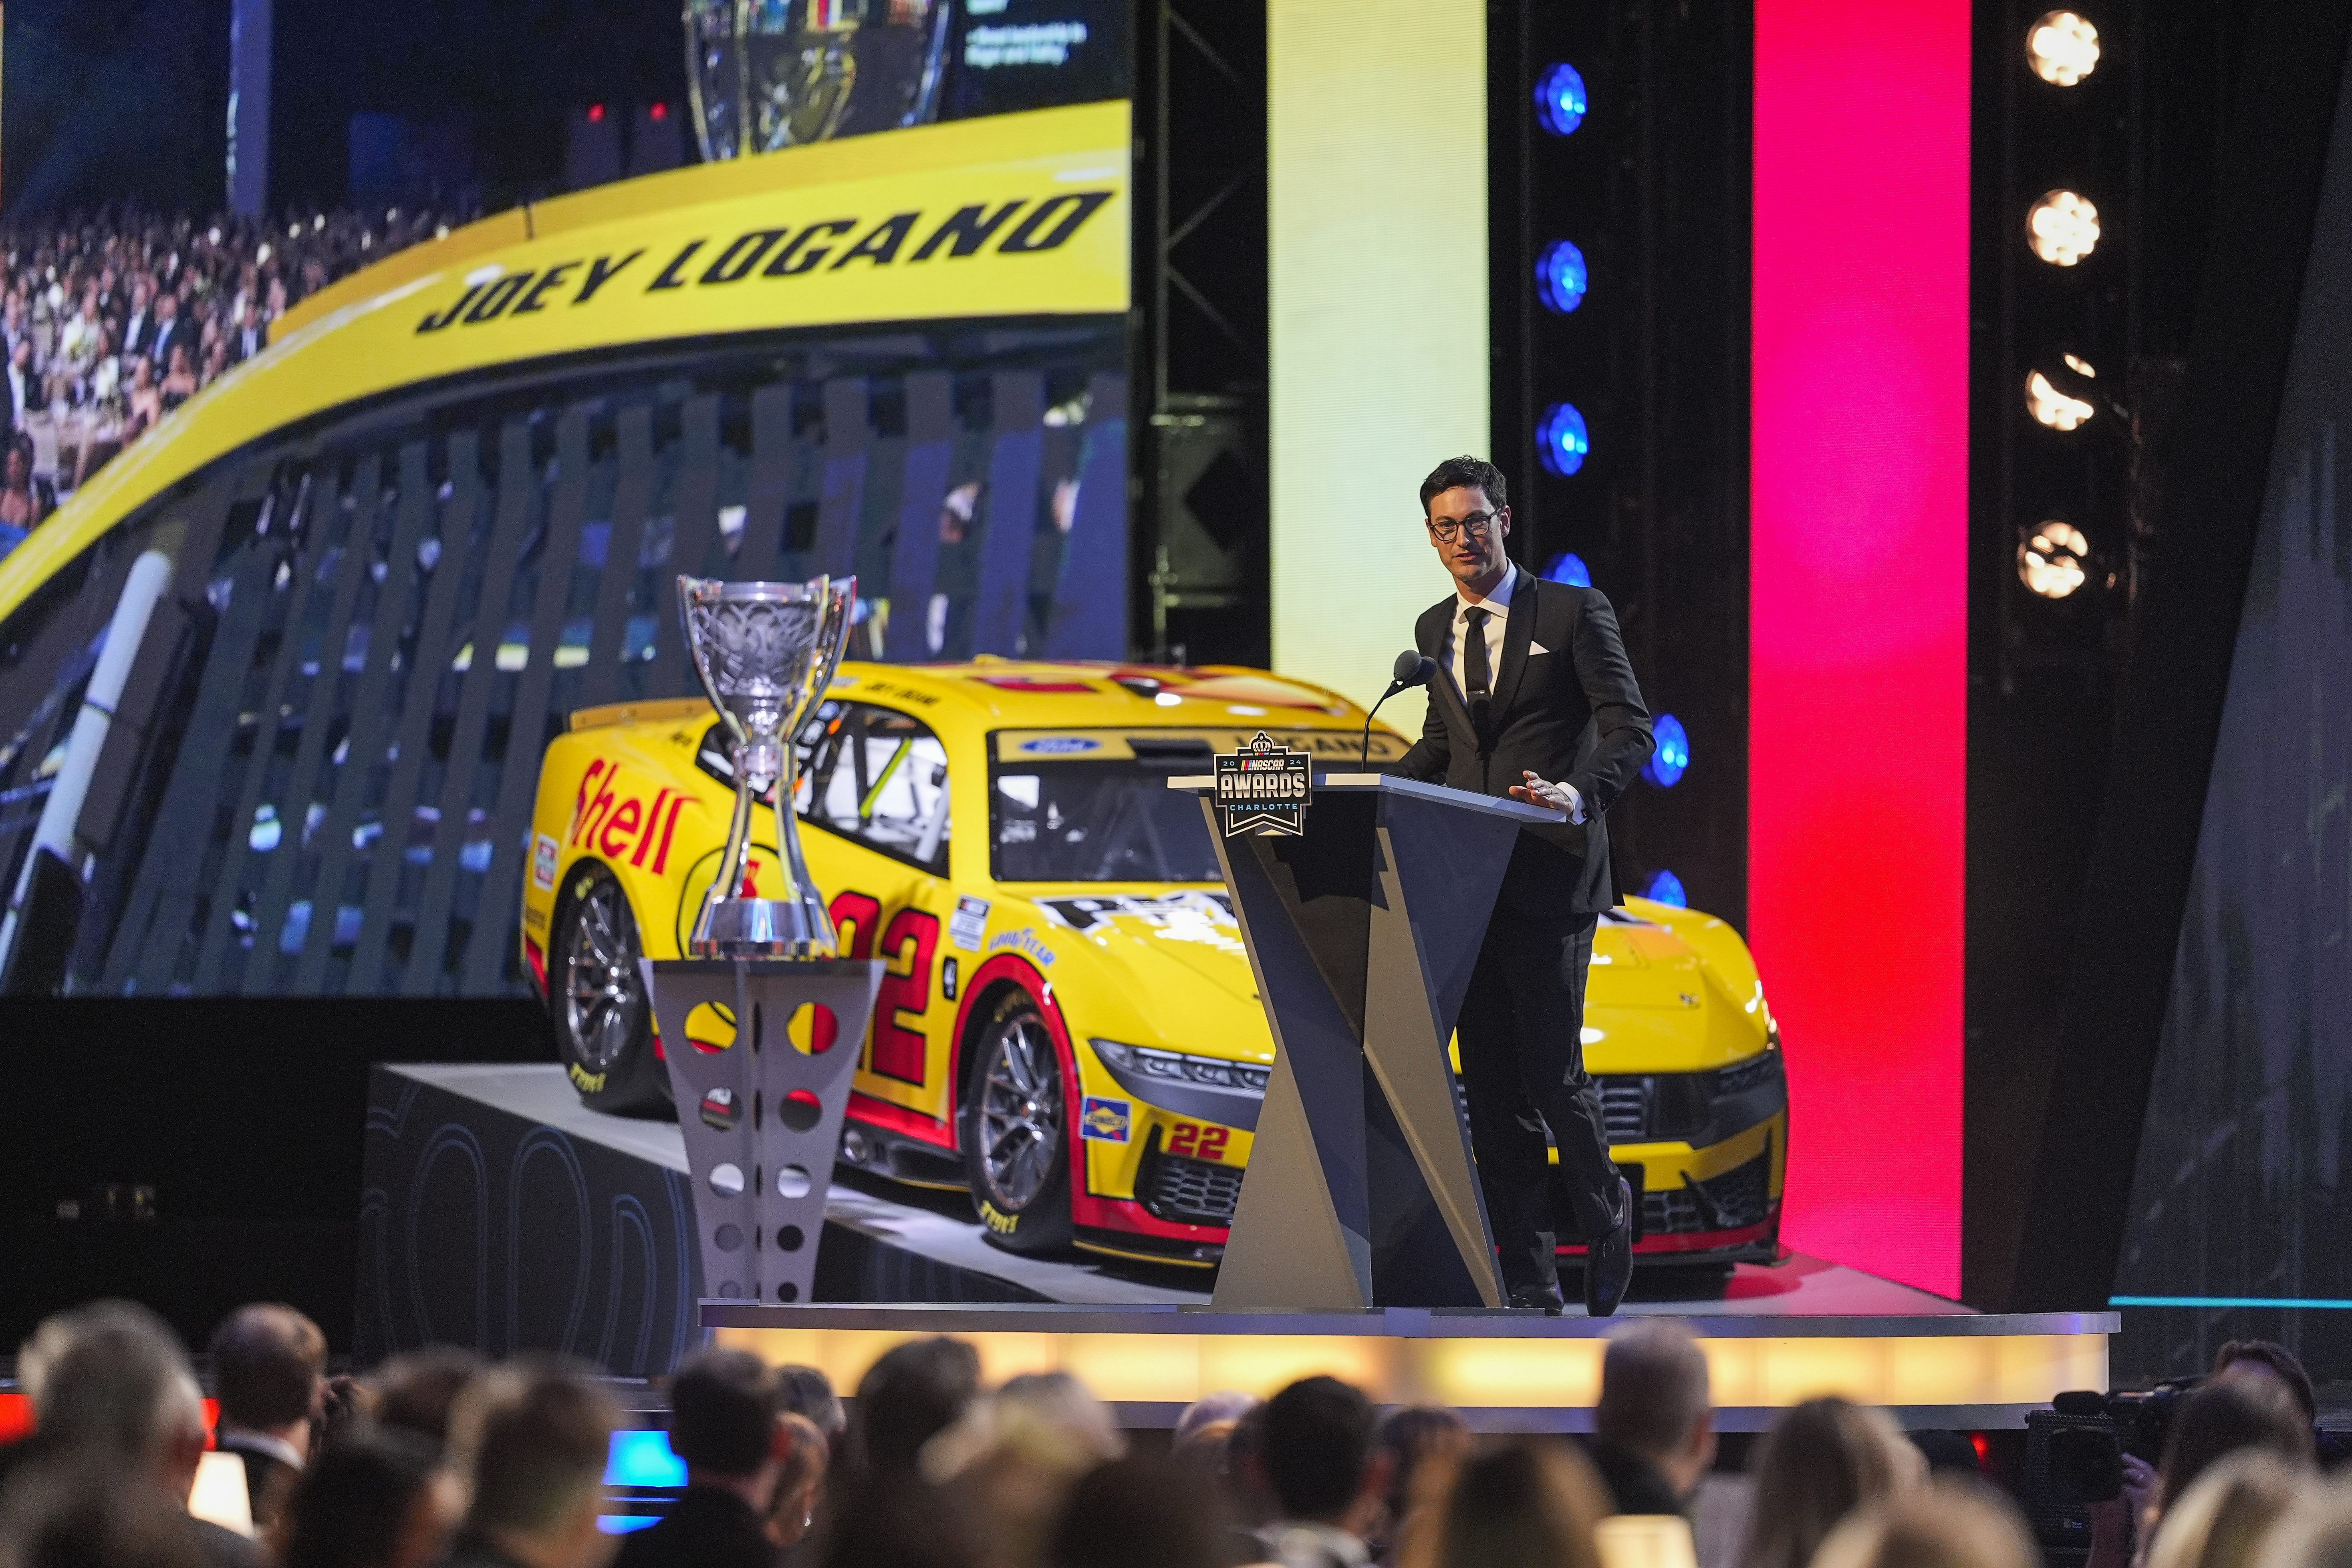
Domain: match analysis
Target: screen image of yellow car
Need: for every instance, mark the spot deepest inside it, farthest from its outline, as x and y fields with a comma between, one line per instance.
x=1067, y=1026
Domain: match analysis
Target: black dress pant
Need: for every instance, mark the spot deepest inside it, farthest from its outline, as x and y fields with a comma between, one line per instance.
x=1521, y=1033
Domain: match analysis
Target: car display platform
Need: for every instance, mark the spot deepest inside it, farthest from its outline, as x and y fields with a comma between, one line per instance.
x=498, y=1212
x=1931, y=1363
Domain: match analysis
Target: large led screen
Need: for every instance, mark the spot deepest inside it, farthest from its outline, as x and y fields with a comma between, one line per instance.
x=2241, y=1201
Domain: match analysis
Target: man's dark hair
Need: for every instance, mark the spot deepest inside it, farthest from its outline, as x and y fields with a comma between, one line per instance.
x=2279, y=1359
x=267, y=1360
x=806, y=1392
x=907, y=1524
x=914, y=1392
x=722, y=1413
x=415, y=1390
x=1318, y=1441
x=1139, y=1512
x=536, y=1441
x=1472, y=473
x=351, y=1505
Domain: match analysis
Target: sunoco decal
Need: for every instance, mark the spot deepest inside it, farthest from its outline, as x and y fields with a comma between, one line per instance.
x=1105, y=1121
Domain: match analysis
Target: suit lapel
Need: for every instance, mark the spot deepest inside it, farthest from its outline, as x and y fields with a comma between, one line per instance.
x=1518, y=631
x=1436, y=622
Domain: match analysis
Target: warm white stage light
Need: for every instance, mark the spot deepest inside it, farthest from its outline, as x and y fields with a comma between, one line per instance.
x=2062, y=228
x=2050, y=406
x=2050, y=561
x=2061, y=48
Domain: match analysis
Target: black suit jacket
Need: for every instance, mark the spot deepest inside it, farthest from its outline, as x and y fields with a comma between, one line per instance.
x=706, y=1528
x=1572, y=715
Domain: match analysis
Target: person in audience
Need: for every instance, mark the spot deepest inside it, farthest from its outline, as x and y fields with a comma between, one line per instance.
x=907, y=1524
x=1951, y=1524
x=112, y=1390
x=804, y=1457
x=372, y=1499
x=2317, y=1532
x=1227, y=1405
x=1415, y=1439
x=723, y=1425
x=1654, y=1429
x=169, y=335
x=27, y=394
x=807, y=1392
x=2262, y=1356
x=1328, y=1481
x=179, y=383
x=1132, y=1512
x=270, y=1365
x=21, y=507
x=1820, y=1461
x=143, y=401
x=2220, y=1520
x=416, y=1390
x=1522, y=1505
x=80, y=1516
x=532, y=1444
x=1016, y=1452
x=2238, y=1411
x=915, y=1392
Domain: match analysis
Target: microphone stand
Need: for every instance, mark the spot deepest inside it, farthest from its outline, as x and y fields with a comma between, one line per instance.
x=1364, y=758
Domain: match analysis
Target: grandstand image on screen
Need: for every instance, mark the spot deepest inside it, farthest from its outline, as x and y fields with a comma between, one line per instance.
x=275, y=683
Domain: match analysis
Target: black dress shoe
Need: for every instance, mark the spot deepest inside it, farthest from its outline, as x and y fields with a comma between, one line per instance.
x=1609, y=1261
x=1545, y=1299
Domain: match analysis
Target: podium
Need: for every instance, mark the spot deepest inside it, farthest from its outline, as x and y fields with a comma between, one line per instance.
x=1363, y=932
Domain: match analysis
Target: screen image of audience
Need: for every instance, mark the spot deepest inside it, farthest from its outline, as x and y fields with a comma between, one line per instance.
x=112, y=322
x=440, y=1459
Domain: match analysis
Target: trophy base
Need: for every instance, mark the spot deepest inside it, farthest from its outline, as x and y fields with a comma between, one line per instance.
x=761, y=928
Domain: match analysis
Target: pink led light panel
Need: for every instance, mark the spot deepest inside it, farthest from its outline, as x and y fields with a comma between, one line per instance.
x=1857, y=739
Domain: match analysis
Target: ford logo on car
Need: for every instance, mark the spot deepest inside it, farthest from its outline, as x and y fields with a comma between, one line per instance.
x=1060, y=745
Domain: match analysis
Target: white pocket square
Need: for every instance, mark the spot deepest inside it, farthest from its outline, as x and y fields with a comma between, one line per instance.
x=1534, y=648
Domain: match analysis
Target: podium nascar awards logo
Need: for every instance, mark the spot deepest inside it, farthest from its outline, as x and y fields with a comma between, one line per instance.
x=1263, y=788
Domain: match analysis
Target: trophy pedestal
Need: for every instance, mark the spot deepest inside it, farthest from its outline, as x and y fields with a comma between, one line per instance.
x=762, y=1118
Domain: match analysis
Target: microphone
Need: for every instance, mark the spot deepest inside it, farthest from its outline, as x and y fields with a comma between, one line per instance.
x=1411, y=669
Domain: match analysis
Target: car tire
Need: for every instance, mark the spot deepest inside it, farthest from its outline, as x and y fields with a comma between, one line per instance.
x=1014, y=1127
x=604, y=1020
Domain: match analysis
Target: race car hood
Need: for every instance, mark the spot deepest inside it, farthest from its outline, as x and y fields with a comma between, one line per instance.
x=1660, y=995
x=1169, y=944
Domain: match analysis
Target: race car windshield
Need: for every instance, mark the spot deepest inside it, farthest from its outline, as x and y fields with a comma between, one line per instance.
x=1096, y=822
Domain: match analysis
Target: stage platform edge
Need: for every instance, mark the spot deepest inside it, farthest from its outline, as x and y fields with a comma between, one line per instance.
x=1502, y=1371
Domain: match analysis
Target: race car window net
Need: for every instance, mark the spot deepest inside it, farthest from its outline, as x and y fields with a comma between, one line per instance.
x=864, y=772
x=1110, y=820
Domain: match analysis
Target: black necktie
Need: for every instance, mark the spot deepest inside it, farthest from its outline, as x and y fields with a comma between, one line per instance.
x=1475, y=680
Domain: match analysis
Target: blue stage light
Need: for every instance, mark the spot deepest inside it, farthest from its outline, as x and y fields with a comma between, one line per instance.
x=1571, y=569
x=642, y=1458
x=1563, y=438
x=1559, y=100
x=1560, y=277
x=1673, y=754
x=1665, y=887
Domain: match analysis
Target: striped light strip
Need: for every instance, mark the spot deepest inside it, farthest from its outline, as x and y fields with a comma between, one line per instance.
x=2297, y=1304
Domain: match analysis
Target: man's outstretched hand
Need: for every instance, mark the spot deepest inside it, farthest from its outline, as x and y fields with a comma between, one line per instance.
x=1559, y=797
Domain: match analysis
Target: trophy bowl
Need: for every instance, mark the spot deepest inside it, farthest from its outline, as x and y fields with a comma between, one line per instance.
x=766, y=652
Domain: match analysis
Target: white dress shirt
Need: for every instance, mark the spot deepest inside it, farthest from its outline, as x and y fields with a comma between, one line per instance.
x=1498, y=605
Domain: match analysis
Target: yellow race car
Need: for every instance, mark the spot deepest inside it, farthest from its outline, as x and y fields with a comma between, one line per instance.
x=1068, y=1026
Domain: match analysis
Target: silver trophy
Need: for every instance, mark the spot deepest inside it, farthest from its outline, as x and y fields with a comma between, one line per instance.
x=766, y=652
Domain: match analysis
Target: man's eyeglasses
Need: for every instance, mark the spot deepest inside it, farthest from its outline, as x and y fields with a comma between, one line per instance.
x=1446, y=530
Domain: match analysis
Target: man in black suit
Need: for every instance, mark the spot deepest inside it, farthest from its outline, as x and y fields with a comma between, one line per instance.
x=270, y=1367
x=1535, y=699
x=723, y=1425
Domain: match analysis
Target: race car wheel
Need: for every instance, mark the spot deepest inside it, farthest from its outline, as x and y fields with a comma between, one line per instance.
x=604, y=1023
x=1016, y=1131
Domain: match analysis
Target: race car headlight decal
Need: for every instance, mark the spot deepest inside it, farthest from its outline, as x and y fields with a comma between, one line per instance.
x=1178, y=1067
